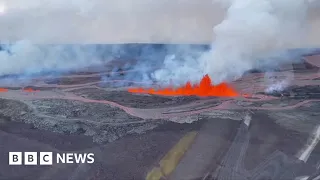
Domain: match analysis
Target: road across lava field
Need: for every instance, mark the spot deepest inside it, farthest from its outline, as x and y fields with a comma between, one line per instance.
x=131, y=133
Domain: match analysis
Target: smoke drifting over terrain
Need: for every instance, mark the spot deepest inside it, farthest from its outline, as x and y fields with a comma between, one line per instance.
x=251, y=32
x=252, y=35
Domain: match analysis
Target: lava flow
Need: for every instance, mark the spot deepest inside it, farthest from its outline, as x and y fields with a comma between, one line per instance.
x=205, y=88
x=29, y=90
x=3, y=90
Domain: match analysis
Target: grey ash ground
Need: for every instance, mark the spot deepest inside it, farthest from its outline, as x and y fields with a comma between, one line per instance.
x=299, y=92
x=136, y=101
x=130, y=133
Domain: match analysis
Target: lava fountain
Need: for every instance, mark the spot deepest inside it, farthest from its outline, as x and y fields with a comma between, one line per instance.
x=204, y=88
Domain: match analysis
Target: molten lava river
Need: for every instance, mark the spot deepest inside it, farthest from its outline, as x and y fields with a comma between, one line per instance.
x=204, y=88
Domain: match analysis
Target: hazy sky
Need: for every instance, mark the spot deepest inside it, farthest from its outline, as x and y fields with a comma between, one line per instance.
x=252, y=31
x=118, y=21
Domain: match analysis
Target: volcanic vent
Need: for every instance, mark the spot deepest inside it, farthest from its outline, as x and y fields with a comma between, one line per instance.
x=204, y=88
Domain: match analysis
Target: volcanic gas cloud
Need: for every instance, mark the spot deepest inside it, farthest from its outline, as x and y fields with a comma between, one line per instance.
x=204, y=88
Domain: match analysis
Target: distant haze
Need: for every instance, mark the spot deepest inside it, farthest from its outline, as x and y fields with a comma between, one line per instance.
x=118, y=21
x=244, y=34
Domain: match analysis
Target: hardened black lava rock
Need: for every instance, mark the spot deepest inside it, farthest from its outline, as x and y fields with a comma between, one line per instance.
x=298, y=92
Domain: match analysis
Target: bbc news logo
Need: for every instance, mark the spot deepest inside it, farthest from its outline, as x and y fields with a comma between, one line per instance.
x=47, y=158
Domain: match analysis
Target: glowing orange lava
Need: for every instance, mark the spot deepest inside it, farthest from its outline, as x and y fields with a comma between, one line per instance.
x=3, y=90
x=30, y=90
x=205, y=88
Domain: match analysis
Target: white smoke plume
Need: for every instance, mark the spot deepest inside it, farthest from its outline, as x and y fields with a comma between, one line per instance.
x=38, y=21
x=24, y=57
x=251, y=31
x=277, y=83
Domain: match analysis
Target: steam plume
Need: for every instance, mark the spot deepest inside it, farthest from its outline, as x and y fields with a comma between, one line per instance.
x=251, y=31
x=250, y=36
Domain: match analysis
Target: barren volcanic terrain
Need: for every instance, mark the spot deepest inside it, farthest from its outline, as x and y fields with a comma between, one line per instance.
x=237, y=137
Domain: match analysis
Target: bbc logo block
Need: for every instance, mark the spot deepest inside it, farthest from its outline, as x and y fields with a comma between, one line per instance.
x=46, y=158
x=30, y=158
x=15, y=158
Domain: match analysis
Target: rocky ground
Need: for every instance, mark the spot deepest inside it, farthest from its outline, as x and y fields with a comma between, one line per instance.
x=130, y=133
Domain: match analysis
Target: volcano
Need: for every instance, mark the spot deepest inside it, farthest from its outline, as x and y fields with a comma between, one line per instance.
x=204, y=88
x=90, y=110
